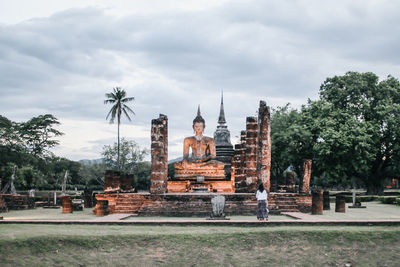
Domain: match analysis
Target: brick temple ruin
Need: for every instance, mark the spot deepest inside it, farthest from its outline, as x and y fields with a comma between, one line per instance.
x=189, y=193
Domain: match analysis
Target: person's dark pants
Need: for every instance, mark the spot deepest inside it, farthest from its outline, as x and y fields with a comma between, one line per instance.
x=262, y=209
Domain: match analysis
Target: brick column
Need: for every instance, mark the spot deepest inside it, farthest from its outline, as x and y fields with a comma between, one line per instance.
x=340, y=203
x=239, y=164
x=327, y=204
x=264, y=146
x=159, y=155
x=317, y=202
x=306, y=176
x=251, y=154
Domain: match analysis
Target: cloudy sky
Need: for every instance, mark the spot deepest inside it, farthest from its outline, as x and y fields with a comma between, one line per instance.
x=61, y=57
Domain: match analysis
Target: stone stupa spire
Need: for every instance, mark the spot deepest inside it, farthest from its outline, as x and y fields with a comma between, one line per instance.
x=221, y=118
x=222, y=138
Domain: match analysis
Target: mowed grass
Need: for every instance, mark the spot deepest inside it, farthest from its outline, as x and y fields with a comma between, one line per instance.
x=102, y=245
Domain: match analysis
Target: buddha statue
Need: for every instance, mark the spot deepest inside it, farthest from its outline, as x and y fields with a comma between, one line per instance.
x=202, y=162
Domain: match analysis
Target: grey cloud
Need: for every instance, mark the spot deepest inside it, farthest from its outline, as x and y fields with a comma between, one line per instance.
x=272, y=50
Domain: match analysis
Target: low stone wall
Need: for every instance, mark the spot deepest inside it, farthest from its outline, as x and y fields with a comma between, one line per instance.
x=195, y=204
x=18, y=202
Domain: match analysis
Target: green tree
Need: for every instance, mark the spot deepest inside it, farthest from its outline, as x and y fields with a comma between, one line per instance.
x=142, y=176
x=93, y=174
x=38, y=134
x=130, y=155
x=356, y=128
x=291, y=141
x=118, y=99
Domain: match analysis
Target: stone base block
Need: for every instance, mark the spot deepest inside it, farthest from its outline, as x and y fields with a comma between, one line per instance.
x=199, y=204
x=190, y=186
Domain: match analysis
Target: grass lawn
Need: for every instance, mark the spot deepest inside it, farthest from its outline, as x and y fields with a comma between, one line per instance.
x=104, y=245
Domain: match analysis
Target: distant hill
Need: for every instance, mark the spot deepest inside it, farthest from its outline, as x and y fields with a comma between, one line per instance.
x=91, y=161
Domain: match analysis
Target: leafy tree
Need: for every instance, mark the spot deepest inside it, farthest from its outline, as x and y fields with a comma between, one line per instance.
x=118, y=99
x=38, y=133
x=142, y=176
x=291, y=141
x=356, y=128
x=130, y=155
x=93, y=174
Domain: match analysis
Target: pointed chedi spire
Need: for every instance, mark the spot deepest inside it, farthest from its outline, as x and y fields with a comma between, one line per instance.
x=198, y=111
x=221, y=118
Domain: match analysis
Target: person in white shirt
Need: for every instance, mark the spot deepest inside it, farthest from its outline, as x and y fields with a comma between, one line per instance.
x=262, y=210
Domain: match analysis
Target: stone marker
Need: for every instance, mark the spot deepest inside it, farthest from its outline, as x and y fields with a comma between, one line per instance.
x=218, y=205
x=340, y=203
x=327, y=203
x=356, y=204
x=317, y=202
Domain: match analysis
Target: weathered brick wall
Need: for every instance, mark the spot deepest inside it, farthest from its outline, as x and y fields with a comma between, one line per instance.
x=306, y=176
x=116, y=182
x=18, y=202
x=187, y=204
x=159, y=155
x=264, y=146
x=240, y=165
x=251, y=154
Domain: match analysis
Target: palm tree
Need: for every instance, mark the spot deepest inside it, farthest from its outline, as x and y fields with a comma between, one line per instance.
x=118, y=99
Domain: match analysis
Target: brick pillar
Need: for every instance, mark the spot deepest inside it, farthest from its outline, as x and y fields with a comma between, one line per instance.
x=264, y=146
x=317, y=202
x=251, y=154
x=340, y=203
x=306, y=176
x=327, y=204
x=66, y=204
x=239, y=164
x=159, y=155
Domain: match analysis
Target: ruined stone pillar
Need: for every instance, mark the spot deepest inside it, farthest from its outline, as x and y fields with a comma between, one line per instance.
x=251, y=154
x=340, y=203
x=159, y=155
x=102, y=208
x=306, y=176
x=327, y=204
x=317, y=202
x=67, y=204
x=239, y=164
x=264, y=146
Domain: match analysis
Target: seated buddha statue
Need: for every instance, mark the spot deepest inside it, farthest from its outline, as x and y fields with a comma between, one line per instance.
x=202, y=162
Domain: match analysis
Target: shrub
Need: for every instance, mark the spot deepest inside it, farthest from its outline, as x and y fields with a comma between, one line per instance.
x=388, y=200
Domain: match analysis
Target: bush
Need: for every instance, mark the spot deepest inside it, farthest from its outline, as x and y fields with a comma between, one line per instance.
x=388, y=200
x=398, y=201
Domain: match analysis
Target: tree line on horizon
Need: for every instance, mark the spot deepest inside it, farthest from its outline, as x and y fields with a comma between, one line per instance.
x=351, y=133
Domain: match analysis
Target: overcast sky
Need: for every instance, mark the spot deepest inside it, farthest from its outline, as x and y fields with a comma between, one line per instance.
x=61, y=57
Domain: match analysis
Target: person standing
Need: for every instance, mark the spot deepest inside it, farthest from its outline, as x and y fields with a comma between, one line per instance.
x=262, y=210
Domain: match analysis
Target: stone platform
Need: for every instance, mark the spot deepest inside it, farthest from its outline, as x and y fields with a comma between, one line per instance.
x=210, y=186
x=199, y=204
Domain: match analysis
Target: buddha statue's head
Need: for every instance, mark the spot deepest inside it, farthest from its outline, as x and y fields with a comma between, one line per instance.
x=199, y=123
